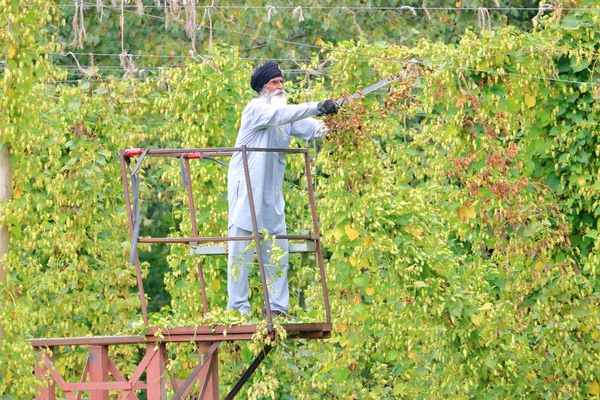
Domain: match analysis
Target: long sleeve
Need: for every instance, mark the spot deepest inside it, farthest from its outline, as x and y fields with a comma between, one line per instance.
x=266, y=126
x=308, y=128
x=260, y=115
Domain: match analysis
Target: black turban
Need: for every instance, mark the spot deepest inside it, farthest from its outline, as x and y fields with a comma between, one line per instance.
x=263, y=74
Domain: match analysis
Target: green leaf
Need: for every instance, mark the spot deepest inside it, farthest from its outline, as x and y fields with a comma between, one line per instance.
x=15, y=231
x=581, y=65
x=101, y=90
x=361, y=281
x=554, y=183
x=491, y=361
x=581, y=312
x=570, y=22
x=456, y=308
x=393, y=354
x=592, y=233
x=541, y=145
x=74, y=105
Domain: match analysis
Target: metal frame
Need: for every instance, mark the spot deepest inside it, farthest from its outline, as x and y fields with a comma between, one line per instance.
x=201, y=153
x=99, y=368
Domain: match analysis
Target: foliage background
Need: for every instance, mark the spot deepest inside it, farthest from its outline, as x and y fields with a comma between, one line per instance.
x=460, y=220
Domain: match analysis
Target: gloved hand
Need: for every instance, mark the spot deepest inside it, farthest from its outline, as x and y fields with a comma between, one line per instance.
x=327, y=107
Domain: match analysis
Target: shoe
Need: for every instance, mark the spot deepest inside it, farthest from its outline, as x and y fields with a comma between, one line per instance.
x=275, y=313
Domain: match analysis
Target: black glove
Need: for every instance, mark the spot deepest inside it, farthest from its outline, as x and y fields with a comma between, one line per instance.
x=327, y=107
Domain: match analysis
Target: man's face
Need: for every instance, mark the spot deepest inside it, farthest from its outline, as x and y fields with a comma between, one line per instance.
x=275, y=86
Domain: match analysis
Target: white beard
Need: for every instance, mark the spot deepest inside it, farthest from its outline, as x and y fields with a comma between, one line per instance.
x=276, y=98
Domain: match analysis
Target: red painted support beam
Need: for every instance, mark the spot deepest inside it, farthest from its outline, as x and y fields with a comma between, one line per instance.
x=43, y=362
x=98, y=370
x=155, y=372
x=209, y=374
x=195, y=374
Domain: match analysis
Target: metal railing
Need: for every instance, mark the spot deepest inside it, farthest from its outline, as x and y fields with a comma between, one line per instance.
x=133, y=212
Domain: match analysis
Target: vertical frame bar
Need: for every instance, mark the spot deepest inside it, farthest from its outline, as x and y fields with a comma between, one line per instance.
x=313, y=210
x=195, y=374
x=138, y=269
x=257, y=238
x=209, y=374
x=155, y=372
x=42, y=362
x=195, y=232
x=84, y=376
x=98, y=370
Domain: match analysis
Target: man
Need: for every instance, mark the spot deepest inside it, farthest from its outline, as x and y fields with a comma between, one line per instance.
x=267, y=122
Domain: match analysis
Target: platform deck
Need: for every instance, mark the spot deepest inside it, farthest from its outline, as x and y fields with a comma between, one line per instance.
x=218, y=333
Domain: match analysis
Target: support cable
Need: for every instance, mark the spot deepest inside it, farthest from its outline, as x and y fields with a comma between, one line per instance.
x=248, y=373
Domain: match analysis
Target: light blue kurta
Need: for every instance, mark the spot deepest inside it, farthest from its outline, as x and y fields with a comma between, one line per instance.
x=264, y=125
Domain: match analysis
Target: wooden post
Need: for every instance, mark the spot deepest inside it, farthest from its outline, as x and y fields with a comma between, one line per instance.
x=42, y=364
x=155, y=373
x=209, y=374
x=5, y=192
x=98, y=370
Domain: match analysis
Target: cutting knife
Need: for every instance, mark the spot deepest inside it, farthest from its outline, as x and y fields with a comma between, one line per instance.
x=384, y=82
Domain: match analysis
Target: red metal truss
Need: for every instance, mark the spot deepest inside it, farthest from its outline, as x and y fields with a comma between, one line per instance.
x=99, y=368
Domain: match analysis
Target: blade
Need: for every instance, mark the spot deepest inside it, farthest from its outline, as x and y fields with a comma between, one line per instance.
x=369, y=89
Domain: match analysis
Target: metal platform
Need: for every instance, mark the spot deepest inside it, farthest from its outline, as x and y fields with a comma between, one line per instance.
x=100, y=374
x=219, y=333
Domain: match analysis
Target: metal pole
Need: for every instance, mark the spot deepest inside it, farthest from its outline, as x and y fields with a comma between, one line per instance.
x=313, y=210
x=138, y=269
x=195, y=232
x=257, y=238
x=261, y=356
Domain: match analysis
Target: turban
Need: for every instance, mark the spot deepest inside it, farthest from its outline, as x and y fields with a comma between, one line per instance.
x=263, y=74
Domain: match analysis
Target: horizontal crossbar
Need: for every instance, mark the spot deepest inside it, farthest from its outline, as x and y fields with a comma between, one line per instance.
x=223, y=151
x=103, y=386
x=216, y=239
x=305, y=247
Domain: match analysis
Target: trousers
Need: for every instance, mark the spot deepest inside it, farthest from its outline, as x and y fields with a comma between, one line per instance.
x=241, y=256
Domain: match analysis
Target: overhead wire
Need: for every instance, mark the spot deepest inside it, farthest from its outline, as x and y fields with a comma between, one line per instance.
x=371, y=58
x=357, y=8
x=331, y=49
x=498, y=73
x=299, y=71
x=514, y=74
x=180, y=56
x=491, y=55
x=141, y=69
